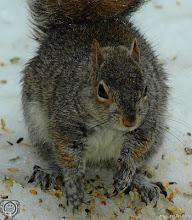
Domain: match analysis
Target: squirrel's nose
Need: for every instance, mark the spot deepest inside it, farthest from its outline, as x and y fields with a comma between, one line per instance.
x=128, y=123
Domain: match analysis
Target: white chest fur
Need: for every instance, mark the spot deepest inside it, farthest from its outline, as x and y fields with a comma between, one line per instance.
x=105, y=144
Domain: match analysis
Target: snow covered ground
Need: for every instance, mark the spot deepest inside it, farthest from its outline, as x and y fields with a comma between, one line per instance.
x=168, y=26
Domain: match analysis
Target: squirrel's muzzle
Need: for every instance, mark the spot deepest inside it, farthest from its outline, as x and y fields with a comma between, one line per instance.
x=129, y=123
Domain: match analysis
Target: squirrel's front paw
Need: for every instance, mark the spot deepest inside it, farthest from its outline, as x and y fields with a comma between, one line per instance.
x=123, y=177
x=74, y=191
x=149, y=190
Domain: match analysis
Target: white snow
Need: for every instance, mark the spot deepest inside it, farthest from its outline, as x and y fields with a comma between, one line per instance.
x=167, y=25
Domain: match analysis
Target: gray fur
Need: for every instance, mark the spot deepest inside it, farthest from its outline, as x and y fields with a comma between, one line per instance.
x=63, y=115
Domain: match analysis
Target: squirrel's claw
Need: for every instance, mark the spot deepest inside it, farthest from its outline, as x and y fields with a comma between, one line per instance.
x=162, y=188
x=43, y=177
x=114, y=193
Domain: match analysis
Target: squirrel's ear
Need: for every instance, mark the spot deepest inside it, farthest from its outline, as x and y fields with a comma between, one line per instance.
x=96, y=55
x=135, y=51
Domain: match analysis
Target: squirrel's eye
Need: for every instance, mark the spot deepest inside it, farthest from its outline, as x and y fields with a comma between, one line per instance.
x=102, y=92
x=145, y=92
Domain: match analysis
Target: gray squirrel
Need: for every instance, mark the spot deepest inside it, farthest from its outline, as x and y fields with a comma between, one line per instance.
x=94, y=92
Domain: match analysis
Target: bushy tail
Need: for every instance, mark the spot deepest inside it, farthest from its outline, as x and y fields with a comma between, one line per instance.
x=48, y=13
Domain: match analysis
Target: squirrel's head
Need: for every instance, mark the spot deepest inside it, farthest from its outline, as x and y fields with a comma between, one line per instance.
x=119, y=88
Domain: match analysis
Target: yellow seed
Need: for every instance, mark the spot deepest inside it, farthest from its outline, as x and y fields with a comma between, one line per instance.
x=94, y=194
x=3, y=123
x=132, y=218
x=174, y=209
x=48, y=208
x=13, y=169
x=181, y=211
x=166, y=185
x=7, y=130
x=92, y=208
x=34, y=215
x=34, y=192
x=131, y=206
x=100, y=195
x=3, y=81
x=121, y=195
x=23, y=210
x=58, y=193
x=171, y=196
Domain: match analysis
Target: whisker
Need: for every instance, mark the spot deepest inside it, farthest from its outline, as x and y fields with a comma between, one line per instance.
x=173, y=135
x=173, y=119
x=166, y=137
x=176, y=130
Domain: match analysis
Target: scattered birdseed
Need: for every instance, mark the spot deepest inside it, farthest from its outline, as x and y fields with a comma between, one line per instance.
x=15, y=60
x=4, y=197
x=174, y=58
x=188, y=133
x=178, y=3
x=175, y=210
x=3, y=124
x=19, y=140
x=166, y=185
x=9, y=143
x=13, y=169
x=58, y=193
x=34, y=192
x=100, y=195
x=15, y=158
x=93, y=201
x=9, y=181
x=87, y=210
x=159, y=6
x=171, y=196
x=57, y=187
x=62, y=206
x=92, y=208
x=3, y=81
x=2, y=63
x=188, y=195
x=188, y=150
x=171, y=183
x=163, y=157
x=7, y=130
x=132, y=218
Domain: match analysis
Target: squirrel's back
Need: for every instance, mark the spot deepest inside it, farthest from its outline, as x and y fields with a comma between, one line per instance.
x=48, y=13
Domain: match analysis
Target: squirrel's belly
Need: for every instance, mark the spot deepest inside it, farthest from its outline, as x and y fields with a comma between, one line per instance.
x=104, y=145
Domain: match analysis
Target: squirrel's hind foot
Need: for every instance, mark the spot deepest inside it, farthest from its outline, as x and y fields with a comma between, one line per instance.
x=44, y=177
x=74, y=191
x=149, y=190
